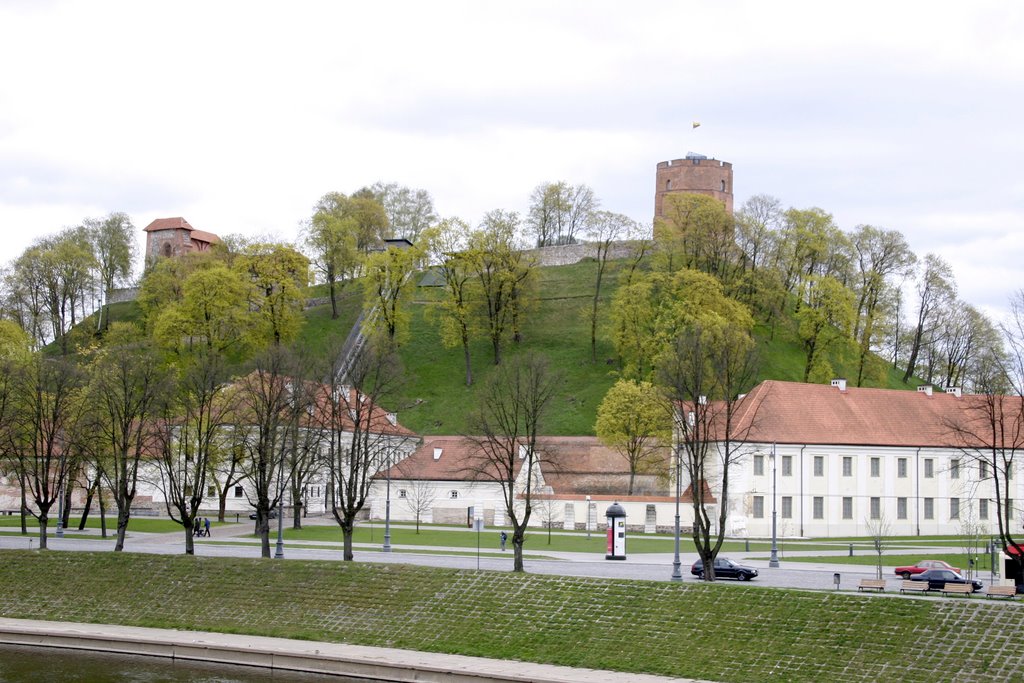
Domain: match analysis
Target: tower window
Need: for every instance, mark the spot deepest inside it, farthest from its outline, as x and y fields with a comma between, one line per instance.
x=668, y=184
x=723, y=186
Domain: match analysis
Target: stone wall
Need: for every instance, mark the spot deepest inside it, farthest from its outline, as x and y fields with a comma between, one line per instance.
x=567, y=254
x=124, y=294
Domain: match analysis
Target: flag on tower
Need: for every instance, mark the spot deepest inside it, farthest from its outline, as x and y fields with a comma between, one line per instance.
x=696, y=124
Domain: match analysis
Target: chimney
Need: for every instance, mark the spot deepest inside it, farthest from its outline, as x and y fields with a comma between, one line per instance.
x=956, y=391
x=925, y=389
x=839, y=384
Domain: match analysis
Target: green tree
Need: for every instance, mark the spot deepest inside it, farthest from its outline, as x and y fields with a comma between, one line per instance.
x=632, y=420
x=276, y=276
x=605, y=229
x=388, y=286
x=409, y=211
x=559, y=212
x=825, y=319
x=332, y=235
x=114, y=250
x=696, y=232
x=448, y=241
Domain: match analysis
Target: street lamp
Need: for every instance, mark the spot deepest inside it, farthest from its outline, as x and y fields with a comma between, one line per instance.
x=387, y=505
x=279, y=549
x=587, y=524
x=773, y=562
x=677, y=574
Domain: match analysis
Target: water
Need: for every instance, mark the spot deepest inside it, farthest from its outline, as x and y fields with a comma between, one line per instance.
x=45, y=665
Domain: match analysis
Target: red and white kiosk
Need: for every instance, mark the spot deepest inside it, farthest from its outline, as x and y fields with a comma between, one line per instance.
x=616, y=515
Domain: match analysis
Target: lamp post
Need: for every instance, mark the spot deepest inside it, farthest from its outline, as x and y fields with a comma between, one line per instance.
x=773, y=562
x=60, y=508
x=587, y=524
x=387, y=505
x=279, y=548
x=677, y=574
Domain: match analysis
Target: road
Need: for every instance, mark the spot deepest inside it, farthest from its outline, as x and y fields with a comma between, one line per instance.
x=234, y=540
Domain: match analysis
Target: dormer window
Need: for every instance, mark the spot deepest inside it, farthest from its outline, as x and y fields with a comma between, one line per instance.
x=437, y=454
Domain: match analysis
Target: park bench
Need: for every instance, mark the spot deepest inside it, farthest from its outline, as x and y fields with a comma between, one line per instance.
x=910, y=586
x=871, y=584
x=1001, y=592
x=958, y=588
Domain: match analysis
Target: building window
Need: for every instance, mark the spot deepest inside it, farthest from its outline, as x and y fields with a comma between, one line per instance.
x=954, y=468
x=982, y=509
x=929, y=508
x=787, y=507
x=211, y=491
x=876, y=467
x=1009, y=511
x=758, y=465
x=453, y=494
x=901, y=508
x=876, y=508
x=929, y=468
x=983, y=469
x=1009, y=471
x=787, y=465
x=847, y=507
x=758, y=507
x=819, y=465
x=847, y=466
x=819, y=507
x=402, y=493
x=238, y=492
x=954, y=508
x=901, y=468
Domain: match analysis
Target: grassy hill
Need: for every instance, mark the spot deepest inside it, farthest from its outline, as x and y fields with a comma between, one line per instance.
x=434, y=398
x=715, y=632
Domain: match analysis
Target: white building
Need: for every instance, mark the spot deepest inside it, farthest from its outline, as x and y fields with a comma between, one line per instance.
x=847, y=459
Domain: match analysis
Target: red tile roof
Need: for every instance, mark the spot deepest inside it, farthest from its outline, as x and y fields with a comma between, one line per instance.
x=168, y=224
x=797, y=413
x=202, y=236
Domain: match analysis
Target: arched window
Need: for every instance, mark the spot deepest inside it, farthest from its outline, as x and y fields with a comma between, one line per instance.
x=723, y=186
x=668, y=184
x=167, y=248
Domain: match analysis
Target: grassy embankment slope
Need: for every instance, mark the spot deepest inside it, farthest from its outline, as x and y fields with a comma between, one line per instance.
x=718, y=632
x=434, y=398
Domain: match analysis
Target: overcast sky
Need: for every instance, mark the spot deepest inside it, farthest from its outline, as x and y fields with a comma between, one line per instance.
x=238, y=116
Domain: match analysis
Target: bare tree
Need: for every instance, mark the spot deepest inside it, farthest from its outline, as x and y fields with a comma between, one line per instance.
x=510, y=413
x=880, y=531
x=190, y=434
x=125, y=391
x=362, y=437
x=605, y=228
x=420, y=496
x=702, y=375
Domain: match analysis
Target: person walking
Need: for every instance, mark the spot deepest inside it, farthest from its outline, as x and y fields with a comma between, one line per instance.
x=206, y=525
x=197, y=527
x=504, y=539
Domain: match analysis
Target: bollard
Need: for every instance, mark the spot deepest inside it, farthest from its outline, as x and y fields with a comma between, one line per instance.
x=747, y=545
x=851, y=550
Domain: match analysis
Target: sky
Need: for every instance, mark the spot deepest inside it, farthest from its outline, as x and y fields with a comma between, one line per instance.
x=238, y=116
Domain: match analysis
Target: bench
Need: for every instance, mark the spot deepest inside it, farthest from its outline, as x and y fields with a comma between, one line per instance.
x=1001, y=592
x=872, y=584
x=958, y=588
x=910, y=586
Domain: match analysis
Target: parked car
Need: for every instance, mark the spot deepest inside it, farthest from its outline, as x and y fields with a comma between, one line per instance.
x=938, y=578
x=725, y=569
x=924, y=565
x=273, y=514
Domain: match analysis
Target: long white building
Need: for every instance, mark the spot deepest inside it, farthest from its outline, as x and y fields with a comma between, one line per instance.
x=838, y=461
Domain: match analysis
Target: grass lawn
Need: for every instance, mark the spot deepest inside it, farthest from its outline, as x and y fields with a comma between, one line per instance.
x=718, y=631
x=140, y=524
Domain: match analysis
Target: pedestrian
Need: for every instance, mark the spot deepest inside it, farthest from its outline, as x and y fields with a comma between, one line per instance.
x=196, y=528
x=504, y=539
x=206, y=524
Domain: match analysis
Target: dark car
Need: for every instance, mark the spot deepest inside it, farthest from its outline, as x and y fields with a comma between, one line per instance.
x=273, y=514
x=725, y=569
x=938, y=578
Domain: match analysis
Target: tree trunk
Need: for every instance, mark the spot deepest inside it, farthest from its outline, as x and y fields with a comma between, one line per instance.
x=88, y=505
x=123, y=514
x=43, y=522
x=517, y=548
x=465, y=353
x=67, y=502
x=334, y=298
x=190, y=544
x=24, y=507
x=103, y=516
x=347, y=530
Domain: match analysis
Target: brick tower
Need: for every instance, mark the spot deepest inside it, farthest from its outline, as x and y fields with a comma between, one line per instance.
x=695, y=174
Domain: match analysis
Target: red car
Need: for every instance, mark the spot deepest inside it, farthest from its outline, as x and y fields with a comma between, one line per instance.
x=923, y=566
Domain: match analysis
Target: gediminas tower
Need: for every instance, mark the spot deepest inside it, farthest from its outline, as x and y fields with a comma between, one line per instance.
x=696, y=174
